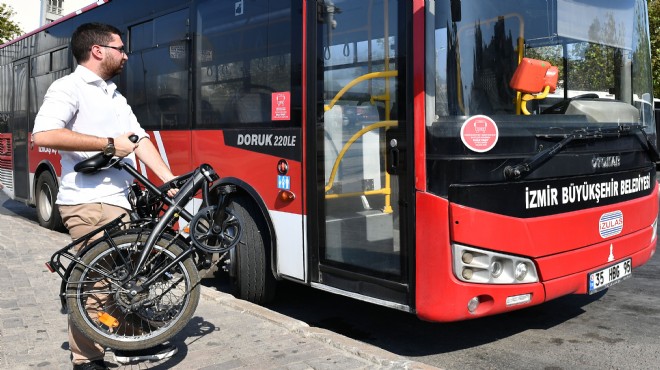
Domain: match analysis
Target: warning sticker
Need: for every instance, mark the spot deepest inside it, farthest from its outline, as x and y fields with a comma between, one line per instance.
x=281, y=106
x=479, y=133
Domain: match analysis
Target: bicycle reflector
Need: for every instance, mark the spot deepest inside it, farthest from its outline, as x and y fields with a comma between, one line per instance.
x=49, y=267
x=108, y=320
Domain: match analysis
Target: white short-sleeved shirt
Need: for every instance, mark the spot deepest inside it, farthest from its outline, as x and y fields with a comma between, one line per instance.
x=85, y=103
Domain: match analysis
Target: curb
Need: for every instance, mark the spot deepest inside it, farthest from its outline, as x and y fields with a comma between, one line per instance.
x=365, y=351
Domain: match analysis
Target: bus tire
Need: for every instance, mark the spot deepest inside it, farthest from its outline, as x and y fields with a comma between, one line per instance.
x=250, y=271
x=45, y=195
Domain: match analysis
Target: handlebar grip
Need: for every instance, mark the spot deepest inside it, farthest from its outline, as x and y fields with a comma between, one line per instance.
x=133, y=138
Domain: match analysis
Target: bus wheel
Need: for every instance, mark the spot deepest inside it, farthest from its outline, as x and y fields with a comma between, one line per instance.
x=249, y=268
x=45, y=196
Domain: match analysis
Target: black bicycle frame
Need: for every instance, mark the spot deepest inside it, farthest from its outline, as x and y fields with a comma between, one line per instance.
x=200, y=178
x=188, y=184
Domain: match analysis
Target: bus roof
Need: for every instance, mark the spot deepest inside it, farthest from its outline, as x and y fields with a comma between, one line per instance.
x=62, y=19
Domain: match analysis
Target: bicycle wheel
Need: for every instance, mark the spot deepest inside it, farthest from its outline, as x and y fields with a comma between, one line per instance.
x=117, y=313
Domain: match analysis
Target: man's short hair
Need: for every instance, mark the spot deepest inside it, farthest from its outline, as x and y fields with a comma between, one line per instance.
x=88, y=35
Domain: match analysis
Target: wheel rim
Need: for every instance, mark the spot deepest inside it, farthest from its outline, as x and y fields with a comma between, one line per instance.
x=45, y=203
x=162, y=318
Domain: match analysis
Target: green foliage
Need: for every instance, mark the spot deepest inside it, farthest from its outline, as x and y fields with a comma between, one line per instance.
x=8, y=29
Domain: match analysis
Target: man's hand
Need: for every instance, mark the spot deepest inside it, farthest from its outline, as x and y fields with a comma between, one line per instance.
x=123, y=146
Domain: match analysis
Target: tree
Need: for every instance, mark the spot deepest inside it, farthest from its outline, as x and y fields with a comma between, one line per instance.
x=8, y=28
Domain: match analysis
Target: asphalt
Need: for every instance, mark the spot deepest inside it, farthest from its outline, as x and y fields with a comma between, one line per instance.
x=224, y=333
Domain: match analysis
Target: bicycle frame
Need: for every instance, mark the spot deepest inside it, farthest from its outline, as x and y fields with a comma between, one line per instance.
x=188, y=184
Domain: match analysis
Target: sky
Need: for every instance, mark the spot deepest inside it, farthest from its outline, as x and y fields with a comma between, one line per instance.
x=28, y=12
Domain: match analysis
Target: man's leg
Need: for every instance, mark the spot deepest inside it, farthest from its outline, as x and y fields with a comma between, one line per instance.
x=80, y=220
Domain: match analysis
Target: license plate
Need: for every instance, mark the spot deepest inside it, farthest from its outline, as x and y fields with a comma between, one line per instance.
x=605, y=278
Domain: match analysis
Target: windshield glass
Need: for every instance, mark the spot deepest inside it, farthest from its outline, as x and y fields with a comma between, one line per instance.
x=600, y=48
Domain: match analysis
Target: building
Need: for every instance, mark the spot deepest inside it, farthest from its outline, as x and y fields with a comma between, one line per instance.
x=51, y=10
x=32, y=14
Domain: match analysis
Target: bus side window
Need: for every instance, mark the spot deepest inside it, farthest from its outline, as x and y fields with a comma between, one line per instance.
x=158, y=72
x=253, y=107
x=242, y=57
x=45, y=69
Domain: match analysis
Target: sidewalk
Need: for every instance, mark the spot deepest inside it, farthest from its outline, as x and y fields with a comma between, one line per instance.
x=225, y=333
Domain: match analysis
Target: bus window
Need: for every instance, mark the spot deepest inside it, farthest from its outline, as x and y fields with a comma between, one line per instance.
x=243, y=56
x=158, y=72
x=5, y=106
x=46, y=69
x=40, y=65
x=60, y=59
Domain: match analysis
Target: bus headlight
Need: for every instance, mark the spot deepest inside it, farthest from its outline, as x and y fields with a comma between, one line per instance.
x=496, y=269
x=521, y=271
x=480, y=266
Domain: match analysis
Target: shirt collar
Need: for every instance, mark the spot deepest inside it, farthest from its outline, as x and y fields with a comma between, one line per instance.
x=93, y=79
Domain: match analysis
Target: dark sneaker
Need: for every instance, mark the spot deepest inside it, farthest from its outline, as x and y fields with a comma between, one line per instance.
x=93, y=365
x=160, y=352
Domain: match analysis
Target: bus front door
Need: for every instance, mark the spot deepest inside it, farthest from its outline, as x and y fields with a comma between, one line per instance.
x=360, y=148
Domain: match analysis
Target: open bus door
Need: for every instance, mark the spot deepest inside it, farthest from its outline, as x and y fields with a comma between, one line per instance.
x=19, y=130
x=361, y=151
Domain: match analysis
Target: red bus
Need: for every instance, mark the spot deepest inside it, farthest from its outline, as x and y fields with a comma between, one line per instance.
x=452, y=159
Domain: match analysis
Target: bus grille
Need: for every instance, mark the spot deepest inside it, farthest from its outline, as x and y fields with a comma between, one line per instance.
x=6, y=175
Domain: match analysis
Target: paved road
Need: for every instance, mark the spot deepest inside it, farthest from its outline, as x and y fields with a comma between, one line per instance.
x=617, y=329
x=225, y=333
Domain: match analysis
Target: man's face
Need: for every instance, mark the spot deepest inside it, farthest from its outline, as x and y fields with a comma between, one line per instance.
x=114, y=58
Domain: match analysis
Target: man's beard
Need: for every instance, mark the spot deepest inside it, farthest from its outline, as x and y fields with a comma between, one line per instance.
x=111, y=71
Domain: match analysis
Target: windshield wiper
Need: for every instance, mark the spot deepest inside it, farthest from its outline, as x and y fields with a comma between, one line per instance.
x=648, y=145
x=516, y=172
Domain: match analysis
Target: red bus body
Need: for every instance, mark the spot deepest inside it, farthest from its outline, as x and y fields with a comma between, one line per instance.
x=391, y=238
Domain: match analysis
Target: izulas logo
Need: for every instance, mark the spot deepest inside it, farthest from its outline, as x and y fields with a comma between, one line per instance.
x=610, y=224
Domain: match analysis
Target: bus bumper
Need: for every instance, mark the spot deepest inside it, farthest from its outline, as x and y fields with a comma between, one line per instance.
x=495, y=299
x=557, y=284
x=441, y=297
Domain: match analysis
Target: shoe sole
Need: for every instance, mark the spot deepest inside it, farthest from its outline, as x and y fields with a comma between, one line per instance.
x=154, y=357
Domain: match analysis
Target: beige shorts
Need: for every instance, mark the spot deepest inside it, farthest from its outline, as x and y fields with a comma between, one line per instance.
x=81, y=219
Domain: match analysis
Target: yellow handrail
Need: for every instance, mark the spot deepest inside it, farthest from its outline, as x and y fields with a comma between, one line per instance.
x=356, y=81
x=521, y=52
x=527, y=97
x=385, y=190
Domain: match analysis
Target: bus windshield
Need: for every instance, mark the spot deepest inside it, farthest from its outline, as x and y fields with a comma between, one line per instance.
x=600, y=48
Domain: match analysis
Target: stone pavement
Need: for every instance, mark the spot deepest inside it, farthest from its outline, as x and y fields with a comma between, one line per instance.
x=225, y=333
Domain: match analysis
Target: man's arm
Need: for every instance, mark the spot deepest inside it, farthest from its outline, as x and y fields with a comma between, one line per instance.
x=65, y=139
x=147, y=153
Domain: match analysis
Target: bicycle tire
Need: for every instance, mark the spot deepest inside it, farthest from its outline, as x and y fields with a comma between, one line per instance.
x=173, y=303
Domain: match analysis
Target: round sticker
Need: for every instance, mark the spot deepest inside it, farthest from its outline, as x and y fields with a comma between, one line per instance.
x=479, y=133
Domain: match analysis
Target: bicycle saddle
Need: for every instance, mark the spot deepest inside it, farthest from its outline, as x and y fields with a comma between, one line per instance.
x=92, y=164
x=97, y=161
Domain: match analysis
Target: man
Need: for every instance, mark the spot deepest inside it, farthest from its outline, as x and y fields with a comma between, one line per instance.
x=83, y=114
